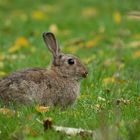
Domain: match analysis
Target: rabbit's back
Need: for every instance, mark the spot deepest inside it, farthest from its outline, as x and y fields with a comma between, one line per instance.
x=38, y=85
x=21, y=86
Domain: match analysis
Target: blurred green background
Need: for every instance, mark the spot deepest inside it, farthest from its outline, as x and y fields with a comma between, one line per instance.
x=95, y=23
x=105, y=35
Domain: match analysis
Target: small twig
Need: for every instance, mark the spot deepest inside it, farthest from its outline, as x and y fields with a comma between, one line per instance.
x=73, y=131
x=66, y=130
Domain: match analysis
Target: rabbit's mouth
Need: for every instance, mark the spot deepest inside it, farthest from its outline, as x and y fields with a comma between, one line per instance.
x=84, y=74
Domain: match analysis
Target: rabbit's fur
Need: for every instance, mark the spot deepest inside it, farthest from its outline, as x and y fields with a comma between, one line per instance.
x=57, y=86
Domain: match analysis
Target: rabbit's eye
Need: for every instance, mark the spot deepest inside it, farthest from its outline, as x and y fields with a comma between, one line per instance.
x=70, y=61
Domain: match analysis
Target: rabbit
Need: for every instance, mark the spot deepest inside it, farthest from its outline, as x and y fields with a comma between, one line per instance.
x=58, y=85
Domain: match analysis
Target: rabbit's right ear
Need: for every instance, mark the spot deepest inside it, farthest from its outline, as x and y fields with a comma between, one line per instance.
x=51, y=43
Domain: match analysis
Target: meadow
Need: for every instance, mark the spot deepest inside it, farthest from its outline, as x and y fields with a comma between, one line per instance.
x=105, y=35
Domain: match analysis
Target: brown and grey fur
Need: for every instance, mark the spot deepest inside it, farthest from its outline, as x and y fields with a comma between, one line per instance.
x=58, y=85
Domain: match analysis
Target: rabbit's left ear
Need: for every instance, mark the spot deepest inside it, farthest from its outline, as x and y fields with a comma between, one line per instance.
x=51, y=43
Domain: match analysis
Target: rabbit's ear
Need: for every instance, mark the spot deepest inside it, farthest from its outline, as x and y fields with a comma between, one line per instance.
x=51, y=43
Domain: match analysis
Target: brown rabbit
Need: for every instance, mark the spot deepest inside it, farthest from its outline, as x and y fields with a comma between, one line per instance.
x=57, y=86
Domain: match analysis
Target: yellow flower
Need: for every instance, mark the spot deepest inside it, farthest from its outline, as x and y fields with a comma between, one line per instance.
x=136, y=54
x=20, y=42
x=93, y=42
x=108, y=80
x=53, y=28
x=42, y=109
x=117, y=17
x=7, y=112
x=111, y=80
x=13, y=49
x=38, y=15
x=89, y=12
x=2, y=73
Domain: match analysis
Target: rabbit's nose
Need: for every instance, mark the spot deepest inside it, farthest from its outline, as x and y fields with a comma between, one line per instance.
x=84, y=74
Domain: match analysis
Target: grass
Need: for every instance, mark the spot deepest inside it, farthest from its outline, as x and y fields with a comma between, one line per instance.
x=110, y=96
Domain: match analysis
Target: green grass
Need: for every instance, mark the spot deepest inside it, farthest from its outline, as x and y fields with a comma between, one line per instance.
x=111, y=56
